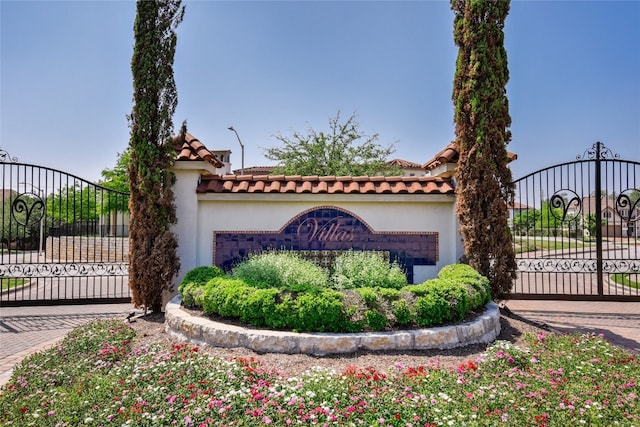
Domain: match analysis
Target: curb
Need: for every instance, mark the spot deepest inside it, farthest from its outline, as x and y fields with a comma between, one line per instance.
x=199, y=330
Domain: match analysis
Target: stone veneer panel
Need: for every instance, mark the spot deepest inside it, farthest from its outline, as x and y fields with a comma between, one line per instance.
x=198, y=330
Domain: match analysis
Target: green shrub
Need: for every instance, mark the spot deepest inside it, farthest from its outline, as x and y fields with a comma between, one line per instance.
x=368, y=295
x=431, y=309
x=200, y=275
x=191, y=295
x=449, y=297
x=257, y=306
x=281, y=270
x=389, y=294
x=320, y=312
x=402, y=312
x=358, y=269
x=479, y=288
x=285, y=313
x=191, y=286
x=375, y=320
x=225, y=297
x=452, y=291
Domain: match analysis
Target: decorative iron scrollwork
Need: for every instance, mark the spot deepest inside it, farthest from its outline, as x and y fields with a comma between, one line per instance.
x=598, y=152
x=626, y=207
x=568, y=202
x=6, y=157
x=563, y=265
x=52, y=270
x=31, y=207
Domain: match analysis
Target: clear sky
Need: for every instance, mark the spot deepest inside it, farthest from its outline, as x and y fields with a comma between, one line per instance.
x=271, y=67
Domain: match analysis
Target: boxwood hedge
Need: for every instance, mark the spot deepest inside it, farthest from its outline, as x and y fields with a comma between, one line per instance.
x=457, y=290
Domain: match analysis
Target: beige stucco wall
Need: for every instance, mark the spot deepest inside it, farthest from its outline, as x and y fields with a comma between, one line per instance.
x=390, y=213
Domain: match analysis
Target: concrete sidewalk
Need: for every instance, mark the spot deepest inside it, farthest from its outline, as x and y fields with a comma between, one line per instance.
x=25, y=330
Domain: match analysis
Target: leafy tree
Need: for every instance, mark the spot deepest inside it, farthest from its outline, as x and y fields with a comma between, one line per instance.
x=484, y=182
x=116, y=179
x=526, y=220
x=153, y=260
x=73, y=203
x=591, y=223
x=342, y=151
x=549, y=217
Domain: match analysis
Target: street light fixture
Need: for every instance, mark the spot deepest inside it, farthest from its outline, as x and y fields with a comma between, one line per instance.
x=241, y=148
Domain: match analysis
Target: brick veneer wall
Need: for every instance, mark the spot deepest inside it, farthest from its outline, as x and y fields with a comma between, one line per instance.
x=87, y=249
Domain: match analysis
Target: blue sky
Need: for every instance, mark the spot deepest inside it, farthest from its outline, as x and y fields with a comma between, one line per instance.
x=272, y=67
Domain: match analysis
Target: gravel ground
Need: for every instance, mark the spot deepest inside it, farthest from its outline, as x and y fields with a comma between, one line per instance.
x=150, y=332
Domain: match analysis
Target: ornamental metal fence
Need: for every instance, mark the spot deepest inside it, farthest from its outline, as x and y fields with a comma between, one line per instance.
x=576, y=229
x=64, y=239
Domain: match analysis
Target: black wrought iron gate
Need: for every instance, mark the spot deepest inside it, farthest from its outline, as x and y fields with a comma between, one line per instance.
x=64, y=239
x=576, y=229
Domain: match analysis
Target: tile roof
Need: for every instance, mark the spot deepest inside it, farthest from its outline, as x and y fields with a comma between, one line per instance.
x=451, y=154
x=188, y=147
x=256, y=170
x=404, y=163
x=325, y=184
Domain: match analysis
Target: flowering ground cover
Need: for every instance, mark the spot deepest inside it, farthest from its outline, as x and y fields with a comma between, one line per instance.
x=94, y=378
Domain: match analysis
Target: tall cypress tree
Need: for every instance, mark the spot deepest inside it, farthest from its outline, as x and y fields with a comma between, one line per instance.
x=153, y=260
x=484, y=183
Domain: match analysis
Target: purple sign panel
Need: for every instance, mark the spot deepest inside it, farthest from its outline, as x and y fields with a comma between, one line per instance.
x=327, y=229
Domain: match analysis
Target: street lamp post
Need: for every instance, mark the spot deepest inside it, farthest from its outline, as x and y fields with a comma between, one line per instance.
x=241, y=148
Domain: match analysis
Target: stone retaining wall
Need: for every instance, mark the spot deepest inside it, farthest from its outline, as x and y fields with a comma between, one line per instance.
x=199, y=330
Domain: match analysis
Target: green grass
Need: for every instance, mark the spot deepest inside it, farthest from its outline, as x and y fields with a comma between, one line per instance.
x=529, y=244
x=625, y=280
x=93, y=378
x=11, y=282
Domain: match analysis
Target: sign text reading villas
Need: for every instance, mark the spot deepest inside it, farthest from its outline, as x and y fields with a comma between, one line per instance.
x=333, y=230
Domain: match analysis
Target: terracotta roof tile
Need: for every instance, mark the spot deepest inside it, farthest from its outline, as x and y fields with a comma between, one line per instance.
x=256, y=170
x=451, y=154
x=289, y=187
x=331, y=185
x=403, y=163
x=189, y=147
x=337, y=187
x=304, y=187
x=384, y=187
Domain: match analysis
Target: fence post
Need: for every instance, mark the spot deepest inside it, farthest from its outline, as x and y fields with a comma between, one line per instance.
x=599, y=274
